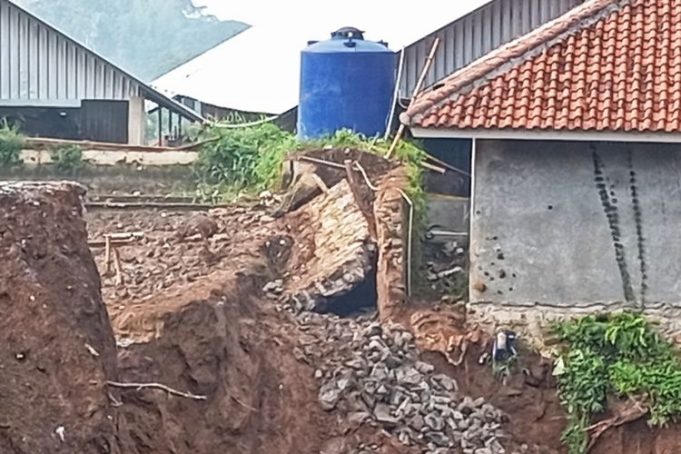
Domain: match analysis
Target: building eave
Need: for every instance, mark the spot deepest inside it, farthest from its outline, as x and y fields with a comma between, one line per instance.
x=576, y=136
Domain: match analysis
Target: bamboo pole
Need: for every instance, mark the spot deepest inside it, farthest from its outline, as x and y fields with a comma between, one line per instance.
x=417, y=89
x=107, y=253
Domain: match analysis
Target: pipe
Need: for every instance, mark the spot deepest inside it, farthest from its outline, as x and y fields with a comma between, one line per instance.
x=366, y=177
x=409, y=239
x=398, y=81
x=246, y=125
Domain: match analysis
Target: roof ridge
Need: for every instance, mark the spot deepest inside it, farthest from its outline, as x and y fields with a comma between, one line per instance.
x=513, y=53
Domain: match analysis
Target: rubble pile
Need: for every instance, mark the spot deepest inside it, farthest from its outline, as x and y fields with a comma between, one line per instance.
x=372, y=373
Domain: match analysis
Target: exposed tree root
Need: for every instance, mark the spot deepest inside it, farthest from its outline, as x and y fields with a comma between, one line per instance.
x=631, y=411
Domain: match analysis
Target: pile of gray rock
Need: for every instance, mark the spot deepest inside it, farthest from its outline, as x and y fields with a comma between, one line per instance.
x=383, y=383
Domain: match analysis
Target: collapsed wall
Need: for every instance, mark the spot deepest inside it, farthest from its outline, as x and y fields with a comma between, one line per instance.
x=334, y=253
x=57, y=348
x=351, y=244
x=393, y=244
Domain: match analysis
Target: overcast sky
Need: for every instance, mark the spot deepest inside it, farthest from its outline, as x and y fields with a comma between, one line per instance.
x=423, y=14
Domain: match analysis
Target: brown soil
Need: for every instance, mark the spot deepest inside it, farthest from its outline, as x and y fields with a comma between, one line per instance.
x=57, y=348
x=191, y=314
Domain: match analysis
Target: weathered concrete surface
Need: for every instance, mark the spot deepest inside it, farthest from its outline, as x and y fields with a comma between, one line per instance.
x=389, y=213
x=563, y=226
x=448, y=213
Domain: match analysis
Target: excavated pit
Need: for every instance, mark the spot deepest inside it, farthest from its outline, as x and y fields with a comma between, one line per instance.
x=201, y=316
x=188, y=312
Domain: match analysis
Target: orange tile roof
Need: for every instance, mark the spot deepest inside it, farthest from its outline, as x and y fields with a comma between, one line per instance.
x=607, y=65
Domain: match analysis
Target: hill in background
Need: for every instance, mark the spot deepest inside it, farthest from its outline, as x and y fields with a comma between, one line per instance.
x=145, y=37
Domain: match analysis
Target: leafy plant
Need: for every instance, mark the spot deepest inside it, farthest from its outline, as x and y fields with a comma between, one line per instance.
x=11, y=143
x=243, y=157
x=68, y=159
x=620, y=355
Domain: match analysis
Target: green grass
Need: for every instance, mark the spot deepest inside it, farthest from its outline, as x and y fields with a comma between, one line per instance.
x=68, y=159
x=11, y=143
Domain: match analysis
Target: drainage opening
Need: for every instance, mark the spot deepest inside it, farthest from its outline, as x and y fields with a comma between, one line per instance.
x=362, y=298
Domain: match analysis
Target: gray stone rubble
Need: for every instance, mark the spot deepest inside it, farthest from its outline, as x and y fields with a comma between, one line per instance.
x=373, y=375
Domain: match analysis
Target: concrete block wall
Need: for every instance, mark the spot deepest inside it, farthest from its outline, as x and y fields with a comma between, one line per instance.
x=560, y=228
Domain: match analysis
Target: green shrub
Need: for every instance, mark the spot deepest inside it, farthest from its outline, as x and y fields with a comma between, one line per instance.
x=68, y=159
x=11, y=143
x=620, y=355
x=248, y=157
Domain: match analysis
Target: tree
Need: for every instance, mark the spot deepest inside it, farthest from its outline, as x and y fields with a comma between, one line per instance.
x=145, y=37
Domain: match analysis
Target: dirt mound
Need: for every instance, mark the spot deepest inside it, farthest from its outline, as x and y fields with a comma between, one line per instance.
x=58, y=348
x=214, y=340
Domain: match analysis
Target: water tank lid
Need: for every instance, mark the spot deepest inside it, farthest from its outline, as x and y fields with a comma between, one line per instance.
x=348, y=33
x=347, y=39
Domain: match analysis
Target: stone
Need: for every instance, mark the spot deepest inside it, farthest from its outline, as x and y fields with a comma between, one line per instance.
x=318, y=374
x=369, y=386
x=417, y=423
x=396, y=397
x=434, y=421
x=358, y=417
x=382, y=415
x=466, y=406
x=329, y=396
x=404, y=436
x=274, y=287
x=368, y=399
x=424, y=368
x=497, y=448
x=343, y=384
x=447, y=383
x=405, y=408
x=479, y=402
x=379, y=372
x=409, y=376
x=438, y=438
x=357, y=364
x=393, y=362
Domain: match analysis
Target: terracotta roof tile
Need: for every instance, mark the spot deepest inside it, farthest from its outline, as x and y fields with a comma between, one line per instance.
x=607, y=65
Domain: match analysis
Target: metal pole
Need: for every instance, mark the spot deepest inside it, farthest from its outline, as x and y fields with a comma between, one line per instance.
x=160, y=125
x=398, y=81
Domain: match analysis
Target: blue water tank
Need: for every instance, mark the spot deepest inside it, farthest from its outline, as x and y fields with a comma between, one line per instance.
x=345, y=82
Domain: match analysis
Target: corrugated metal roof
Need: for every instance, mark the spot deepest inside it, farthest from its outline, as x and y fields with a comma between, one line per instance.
x=470, y=37
x=38, y=63
x=258, y=70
